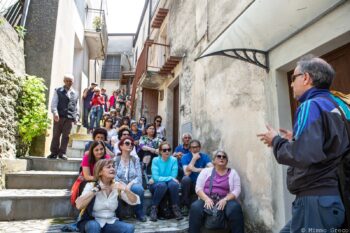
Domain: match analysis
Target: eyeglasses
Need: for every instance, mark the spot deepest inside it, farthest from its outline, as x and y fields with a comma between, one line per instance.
x=166, y=150
x=294, y=76
x=127, y=143
x=221, y=156
x=158, y=121
x=194, y=147
x=187, y=137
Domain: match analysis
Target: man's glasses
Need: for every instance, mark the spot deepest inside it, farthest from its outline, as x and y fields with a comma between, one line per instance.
x=195, y=147
x=166, y=150
x=127, y=143
x=221, y=156
x=294, y=76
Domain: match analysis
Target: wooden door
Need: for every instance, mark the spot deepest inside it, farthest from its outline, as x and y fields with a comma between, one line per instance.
x=149, y=104
x=340, y=61
x=176, y=111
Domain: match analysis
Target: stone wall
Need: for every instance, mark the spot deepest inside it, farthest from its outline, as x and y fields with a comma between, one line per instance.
x=11, y=69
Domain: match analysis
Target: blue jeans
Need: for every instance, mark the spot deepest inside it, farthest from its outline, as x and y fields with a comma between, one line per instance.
x=159, y=189
x=138, y=190
x=233, y=215
x=86, y=112
x=315, y=213
x=93, y=226
x=95, y=116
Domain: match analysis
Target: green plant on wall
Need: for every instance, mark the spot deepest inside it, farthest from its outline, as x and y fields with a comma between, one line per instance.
x=21, y=31
x=2, y=21
x=32, y=113
x=97, y=23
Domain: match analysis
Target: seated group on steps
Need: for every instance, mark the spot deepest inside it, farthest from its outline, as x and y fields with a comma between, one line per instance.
x=120, y=163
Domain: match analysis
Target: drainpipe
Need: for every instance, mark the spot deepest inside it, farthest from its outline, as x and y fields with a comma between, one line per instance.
x=149, y=18
x=95, y=70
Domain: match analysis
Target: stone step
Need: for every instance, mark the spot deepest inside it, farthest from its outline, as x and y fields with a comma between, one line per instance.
x=24, y=204
x=75, y=153
x=41, y=179
x=80, y=143
x=54, y=226
x=44, y=164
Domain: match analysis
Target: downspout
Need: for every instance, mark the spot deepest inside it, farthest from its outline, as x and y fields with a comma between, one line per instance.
x=149, y=18
x=95, y=70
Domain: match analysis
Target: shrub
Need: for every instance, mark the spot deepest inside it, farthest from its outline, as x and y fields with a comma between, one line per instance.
x=32, y=113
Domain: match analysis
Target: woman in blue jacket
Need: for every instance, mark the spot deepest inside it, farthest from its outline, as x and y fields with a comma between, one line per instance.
x=164, y=172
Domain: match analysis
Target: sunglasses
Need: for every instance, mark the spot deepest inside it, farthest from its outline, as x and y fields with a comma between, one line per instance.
x=158, y=121
x=166, y=150
x=221, y=156
x=127, y=143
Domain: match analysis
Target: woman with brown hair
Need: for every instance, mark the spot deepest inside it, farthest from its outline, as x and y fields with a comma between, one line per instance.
x=100, y=201
x=96, y=152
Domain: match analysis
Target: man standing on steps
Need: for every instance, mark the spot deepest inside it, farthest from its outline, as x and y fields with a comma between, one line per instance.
x=65, y=108
x=87, y=96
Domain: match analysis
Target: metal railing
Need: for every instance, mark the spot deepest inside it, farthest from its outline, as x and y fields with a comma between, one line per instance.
x=12, y=11
x=111, y=72
x=157, y=56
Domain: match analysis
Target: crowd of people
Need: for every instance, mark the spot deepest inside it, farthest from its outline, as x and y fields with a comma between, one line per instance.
x=126, y=157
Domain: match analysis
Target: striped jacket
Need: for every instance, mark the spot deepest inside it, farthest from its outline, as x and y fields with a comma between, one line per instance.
x=319, y=141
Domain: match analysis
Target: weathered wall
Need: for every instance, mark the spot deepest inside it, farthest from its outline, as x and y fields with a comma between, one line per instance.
x=11, y=69
x=225, y=101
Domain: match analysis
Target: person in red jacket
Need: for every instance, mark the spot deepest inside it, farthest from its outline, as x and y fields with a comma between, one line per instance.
x=97, y=102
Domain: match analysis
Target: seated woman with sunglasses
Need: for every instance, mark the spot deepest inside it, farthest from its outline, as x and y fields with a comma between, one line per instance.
x=128, y=172
x=226, y=188
x=164, y=172
x=100, y=201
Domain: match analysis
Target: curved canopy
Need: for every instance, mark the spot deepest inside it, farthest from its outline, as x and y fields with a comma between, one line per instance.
x=264, y=25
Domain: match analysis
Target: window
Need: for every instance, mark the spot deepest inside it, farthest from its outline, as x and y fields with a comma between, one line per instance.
x=111, y=68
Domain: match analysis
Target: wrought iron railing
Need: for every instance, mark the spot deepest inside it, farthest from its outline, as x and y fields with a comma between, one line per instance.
x=12, y=11
x=111, y=72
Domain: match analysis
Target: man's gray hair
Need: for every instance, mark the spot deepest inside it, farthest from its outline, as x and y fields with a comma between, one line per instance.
x=186, y=134
x=321, y=73
x=69, y=76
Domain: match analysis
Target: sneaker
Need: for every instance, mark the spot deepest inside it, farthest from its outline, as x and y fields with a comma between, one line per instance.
x=177, y=212
x=52, y=156
x=142, y=219
x=184, y=210
x=64, y=157
x=153, y=215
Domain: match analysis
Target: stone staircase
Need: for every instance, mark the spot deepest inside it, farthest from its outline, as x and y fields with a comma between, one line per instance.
x=38, y=199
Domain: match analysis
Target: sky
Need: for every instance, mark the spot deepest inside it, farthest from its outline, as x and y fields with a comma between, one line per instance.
x=123, y=15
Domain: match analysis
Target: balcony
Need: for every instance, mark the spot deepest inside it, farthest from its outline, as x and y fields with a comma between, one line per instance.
x=96, y=33
x=111, y=72
x=159, y=17
x=155, y=64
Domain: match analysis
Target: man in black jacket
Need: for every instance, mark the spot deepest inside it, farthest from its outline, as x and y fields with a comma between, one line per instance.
x=314, y=150
x=65, y=108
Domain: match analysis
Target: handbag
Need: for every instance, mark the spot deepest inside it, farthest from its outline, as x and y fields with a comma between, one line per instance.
x=214, y=218
x=77, y=188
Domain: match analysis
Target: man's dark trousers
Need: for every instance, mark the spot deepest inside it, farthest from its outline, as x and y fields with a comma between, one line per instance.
x=61, y=129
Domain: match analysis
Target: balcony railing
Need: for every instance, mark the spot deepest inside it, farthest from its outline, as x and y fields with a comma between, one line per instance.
x=111, y=72
x=12, y=11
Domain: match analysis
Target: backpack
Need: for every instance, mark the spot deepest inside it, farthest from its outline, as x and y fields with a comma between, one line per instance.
x=344, y=166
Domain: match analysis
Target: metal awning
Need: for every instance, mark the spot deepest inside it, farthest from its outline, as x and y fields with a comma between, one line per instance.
x=264, y=25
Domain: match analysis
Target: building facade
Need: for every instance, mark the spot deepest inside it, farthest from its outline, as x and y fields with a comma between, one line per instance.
x=65, y=36
x=224, y=102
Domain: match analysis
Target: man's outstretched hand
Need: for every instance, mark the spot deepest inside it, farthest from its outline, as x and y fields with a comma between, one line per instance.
x=268, y=136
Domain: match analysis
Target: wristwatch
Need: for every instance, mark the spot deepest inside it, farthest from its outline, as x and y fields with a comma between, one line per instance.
x=96, y=189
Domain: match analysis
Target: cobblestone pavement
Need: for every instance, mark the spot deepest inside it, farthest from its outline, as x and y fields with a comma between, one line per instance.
x=54, y=226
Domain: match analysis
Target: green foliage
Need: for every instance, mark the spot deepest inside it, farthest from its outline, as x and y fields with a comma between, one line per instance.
x=97, y=23
x=32, y=113
x=2, y=21
x=21, y=31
